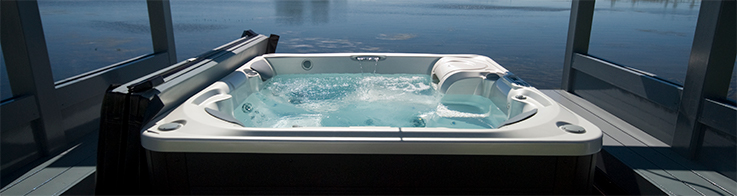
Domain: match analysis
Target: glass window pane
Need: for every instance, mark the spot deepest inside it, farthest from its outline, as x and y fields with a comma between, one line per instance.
x=200, y=26
x=527, y=37
x=5, y=91
x=652, y=36
x=83, y=35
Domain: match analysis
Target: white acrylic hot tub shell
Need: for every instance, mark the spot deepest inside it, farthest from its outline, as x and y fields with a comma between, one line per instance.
x=537, y=135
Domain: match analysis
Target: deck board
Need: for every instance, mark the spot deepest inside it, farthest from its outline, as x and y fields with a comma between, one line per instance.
x=66, y=180
x=59, y=173
x=650, y=158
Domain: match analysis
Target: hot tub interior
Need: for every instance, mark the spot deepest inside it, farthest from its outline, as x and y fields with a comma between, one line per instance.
x=457, y=91
x=339, y=100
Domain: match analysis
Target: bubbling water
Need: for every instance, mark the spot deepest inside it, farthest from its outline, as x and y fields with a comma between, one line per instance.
x=340, y=100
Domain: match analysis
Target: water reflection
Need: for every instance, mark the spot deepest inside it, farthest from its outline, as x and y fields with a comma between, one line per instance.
x=290, y=12
x=319, y=11
x=673, y=3
x=121, y=26
x=498, y=7
x=321, y=44
x=399, y=36
x=665, y=33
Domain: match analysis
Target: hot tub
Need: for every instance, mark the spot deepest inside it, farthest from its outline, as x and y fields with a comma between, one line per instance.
x=463, y=124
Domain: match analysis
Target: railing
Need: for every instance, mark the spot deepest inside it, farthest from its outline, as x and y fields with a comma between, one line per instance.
x=42, y=117
x=644, y=101
x=677, y=115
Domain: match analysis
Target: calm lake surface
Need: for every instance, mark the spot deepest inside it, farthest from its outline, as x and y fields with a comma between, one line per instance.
x=527, y=37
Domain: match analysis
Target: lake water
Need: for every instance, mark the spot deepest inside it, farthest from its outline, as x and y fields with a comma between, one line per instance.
x=527, y=37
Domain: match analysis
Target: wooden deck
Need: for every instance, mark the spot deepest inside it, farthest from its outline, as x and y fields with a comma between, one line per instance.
x=640, y=163
x=71, y=172
x=630, y=159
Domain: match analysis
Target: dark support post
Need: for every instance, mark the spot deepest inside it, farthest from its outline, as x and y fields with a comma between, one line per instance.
x=162, y=30
x=709, y=71
x=27, y=60
x=579, y=32
x=273, y=41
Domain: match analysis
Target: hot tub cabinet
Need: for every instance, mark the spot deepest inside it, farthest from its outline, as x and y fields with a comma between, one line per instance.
x=290, y=173
x=200, y=147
